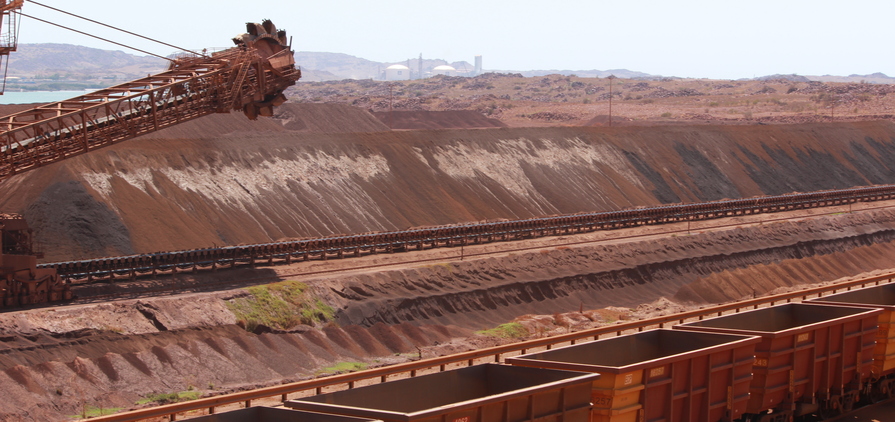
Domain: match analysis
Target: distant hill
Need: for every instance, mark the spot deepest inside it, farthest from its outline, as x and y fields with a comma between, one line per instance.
x=319, y=66
x=873, y=78
x=619, y=73
x=34, y=60
x=778, y=77
x=336, y=66
x=66, y=66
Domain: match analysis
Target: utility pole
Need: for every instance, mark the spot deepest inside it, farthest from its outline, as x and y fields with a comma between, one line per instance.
x=833, y=107
x=390, y=118
x=611, y=77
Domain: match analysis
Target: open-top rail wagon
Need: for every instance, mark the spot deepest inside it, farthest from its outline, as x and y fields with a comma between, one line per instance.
x=811, y=358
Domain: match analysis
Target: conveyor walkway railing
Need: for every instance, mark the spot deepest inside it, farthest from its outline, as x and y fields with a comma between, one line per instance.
x=355, y=245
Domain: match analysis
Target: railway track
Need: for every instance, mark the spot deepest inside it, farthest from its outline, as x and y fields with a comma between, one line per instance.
x=346, y=246
x=281, y=393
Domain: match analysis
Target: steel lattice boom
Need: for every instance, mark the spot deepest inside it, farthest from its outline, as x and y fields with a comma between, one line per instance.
x=9, y=12
x=250, y=77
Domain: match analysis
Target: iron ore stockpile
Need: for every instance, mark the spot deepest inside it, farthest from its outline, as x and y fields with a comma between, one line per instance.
x=226, y=186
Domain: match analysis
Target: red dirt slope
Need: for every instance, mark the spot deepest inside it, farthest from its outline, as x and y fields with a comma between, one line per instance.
x=47, y=375
x=207, y=188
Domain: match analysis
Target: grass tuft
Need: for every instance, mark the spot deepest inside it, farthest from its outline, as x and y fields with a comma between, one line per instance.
x=171, y=397
x=93, y=411
x=508, y=330
x=282, y=305
x=343, y=367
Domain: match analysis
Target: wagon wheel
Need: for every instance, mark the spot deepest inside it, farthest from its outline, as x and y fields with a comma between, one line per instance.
x=880, y=392
x=828, y=410
x=783, y=417
x=848, y=403
x=876, y=395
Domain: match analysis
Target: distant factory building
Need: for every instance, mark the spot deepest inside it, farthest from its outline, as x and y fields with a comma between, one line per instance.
x=444, y=70
x=419, y=69
x=397, y=72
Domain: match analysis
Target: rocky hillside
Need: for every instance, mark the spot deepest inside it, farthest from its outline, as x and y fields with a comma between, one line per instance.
x=63, y=59
x=228, y=180
x=559, y=100
x=50, y=67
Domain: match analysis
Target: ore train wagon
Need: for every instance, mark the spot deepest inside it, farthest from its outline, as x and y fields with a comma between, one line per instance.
x=878, y=297
x=790, y=362
x=672, y=375
x=481, y=393
x=811, y=360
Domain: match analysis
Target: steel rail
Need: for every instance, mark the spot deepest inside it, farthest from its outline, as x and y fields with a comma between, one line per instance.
x=348, y=380
x=343, y=246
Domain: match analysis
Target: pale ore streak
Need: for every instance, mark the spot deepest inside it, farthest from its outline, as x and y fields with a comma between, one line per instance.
x=504, y=165
x=240, y=186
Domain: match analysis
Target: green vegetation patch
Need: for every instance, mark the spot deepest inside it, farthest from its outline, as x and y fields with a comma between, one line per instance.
x=508, y=330
x=280, y=305
x=343, y=367
x=444, y=265
x=171, y=397
x=93, y=411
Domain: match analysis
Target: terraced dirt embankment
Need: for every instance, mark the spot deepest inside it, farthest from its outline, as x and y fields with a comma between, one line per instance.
x=56, y=362
x=221, y=180
x=711, y=267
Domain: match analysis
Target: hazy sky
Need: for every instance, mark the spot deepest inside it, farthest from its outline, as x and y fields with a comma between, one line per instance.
x=718, y=39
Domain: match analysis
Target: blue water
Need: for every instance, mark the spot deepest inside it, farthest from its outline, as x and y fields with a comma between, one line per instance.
x=28, y=97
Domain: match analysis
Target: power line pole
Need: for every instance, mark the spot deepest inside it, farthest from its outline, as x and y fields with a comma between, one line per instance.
x=611, y=77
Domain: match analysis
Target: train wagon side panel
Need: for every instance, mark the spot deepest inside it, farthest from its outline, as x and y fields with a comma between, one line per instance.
x=809, y=354
x=481, y=393
x=668, y=375
x=877, y=297
x=272, y=414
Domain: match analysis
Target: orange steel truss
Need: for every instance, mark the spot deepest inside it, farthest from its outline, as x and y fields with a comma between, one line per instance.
x=7, y=21
x=250, y=77
x=238, y=78
x=8, y=34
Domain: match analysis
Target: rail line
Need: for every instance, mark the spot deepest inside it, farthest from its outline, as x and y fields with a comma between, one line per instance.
x=345, y=246
x=491, y=354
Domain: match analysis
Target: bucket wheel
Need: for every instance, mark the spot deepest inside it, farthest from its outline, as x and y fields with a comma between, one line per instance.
x=269, y=43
